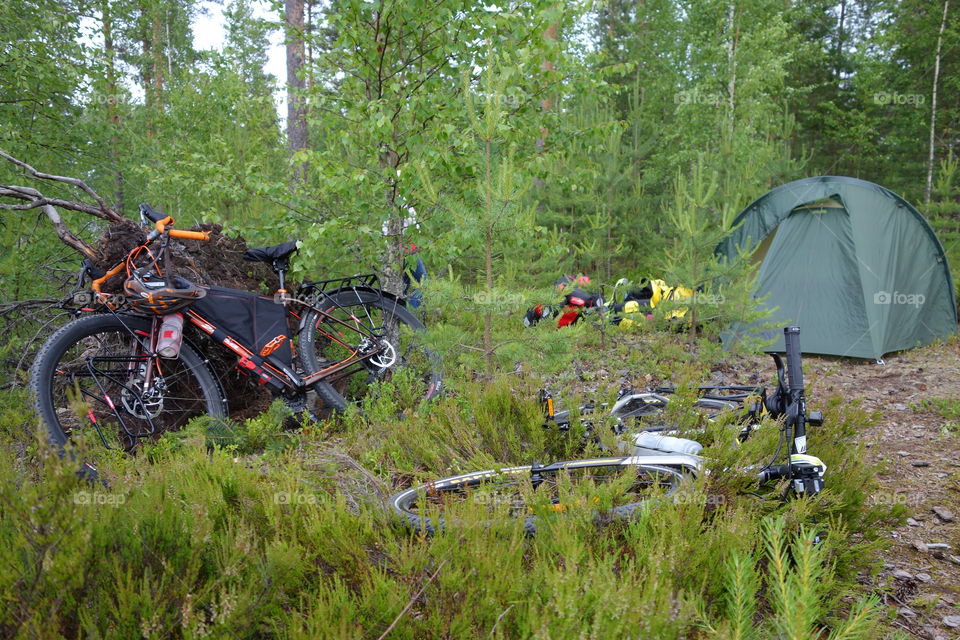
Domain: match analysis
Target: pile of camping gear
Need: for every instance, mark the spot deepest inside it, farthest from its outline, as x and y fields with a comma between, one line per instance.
x=628, y=304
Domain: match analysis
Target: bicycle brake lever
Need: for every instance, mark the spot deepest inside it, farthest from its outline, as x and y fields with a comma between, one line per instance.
x=87, y=268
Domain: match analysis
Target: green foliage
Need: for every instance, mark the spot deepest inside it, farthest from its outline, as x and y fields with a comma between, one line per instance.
x=624, y=146
x=722, y=290
x=264, y=433
x=948, y=409
x=456, y=315
x=240, y=540
x=943, y=213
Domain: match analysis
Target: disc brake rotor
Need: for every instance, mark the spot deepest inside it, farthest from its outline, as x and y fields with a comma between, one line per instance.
x=147, y=405
x=387, y=356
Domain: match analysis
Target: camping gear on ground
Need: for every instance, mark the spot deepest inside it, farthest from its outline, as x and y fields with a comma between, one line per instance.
x=538, y=313
x=567, y=281
x=575, y=303
x=569, y=310
x=635, y=304
x=851, y=262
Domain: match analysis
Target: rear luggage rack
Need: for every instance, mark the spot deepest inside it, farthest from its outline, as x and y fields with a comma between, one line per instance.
x=316, y=294
x=317, y=287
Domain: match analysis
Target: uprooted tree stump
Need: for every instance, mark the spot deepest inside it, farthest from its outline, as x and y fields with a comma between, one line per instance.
x=217, y=262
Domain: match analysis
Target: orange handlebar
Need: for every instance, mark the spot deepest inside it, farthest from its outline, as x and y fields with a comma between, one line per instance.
x=161, y=225
x=177, y=233
x=96, y=284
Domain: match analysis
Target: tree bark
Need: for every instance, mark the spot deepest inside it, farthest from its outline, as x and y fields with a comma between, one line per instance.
x=933, y=105
x=549, y=34
x=838, y=60
x=156, y=45
x=113, y=114
x=296, y=104
x=488, y=259
x=732, y=65
x=547, y=103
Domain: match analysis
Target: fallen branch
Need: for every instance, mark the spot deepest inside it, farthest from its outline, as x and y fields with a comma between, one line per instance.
x=108, y=213
x=35, y=199
x=30, y=198
x=17, y=305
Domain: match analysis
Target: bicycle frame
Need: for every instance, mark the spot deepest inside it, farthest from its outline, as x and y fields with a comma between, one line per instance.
x=266, y=370
x=280, y=377
x=805, y=472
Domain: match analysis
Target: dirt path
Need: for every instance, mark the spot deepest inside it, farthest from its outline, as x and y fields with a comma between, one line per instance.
x=918, y=452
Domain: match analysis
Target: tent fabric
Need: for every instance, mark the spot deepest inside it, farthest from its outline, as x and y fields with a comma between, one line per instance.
x=853, y=264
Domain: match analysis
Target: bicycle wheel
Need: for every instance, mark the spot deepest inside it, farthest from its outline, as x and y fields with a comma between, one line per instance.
x=609, y=487
x=646, y=405
x=89, y=378
x=349, y=320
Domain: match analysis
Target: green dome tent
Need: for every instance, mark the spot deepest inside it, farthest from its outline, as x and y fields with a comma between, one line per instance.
x=853, y=264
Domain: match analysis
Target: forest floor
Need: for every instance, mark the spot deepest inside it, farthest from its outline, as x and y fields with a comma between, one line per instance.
x=914, y=443
x=917, y=450
x=916, y=447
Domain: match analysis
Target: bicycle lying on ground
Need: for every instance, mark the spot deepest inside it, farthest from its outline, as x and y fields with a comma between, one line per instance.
x=659, y=464
x=117, y=369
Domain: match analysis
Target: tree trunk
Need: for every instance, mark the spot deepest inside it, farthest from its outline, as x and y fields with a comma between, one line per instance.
x=296, y=104
x=731, y=65
x=838, y=60
x=933, y=105
x=547, y=103
x=488, y=257
x=549, y=34
x=145, y=67
x=113, y=114
x=158, y=48
x=393, y=260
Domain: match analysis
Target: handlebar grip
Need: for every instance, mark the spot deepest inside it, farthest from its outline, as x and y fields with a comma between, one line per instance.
x=161, y=226
x=151, y=214
x=87, y=268
x=791, y=339
x=190, y=235
x=774, y=472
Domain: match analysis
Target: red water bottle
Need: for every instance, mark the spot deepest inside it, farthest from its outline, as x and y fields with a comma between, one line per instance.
x=171, y=335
